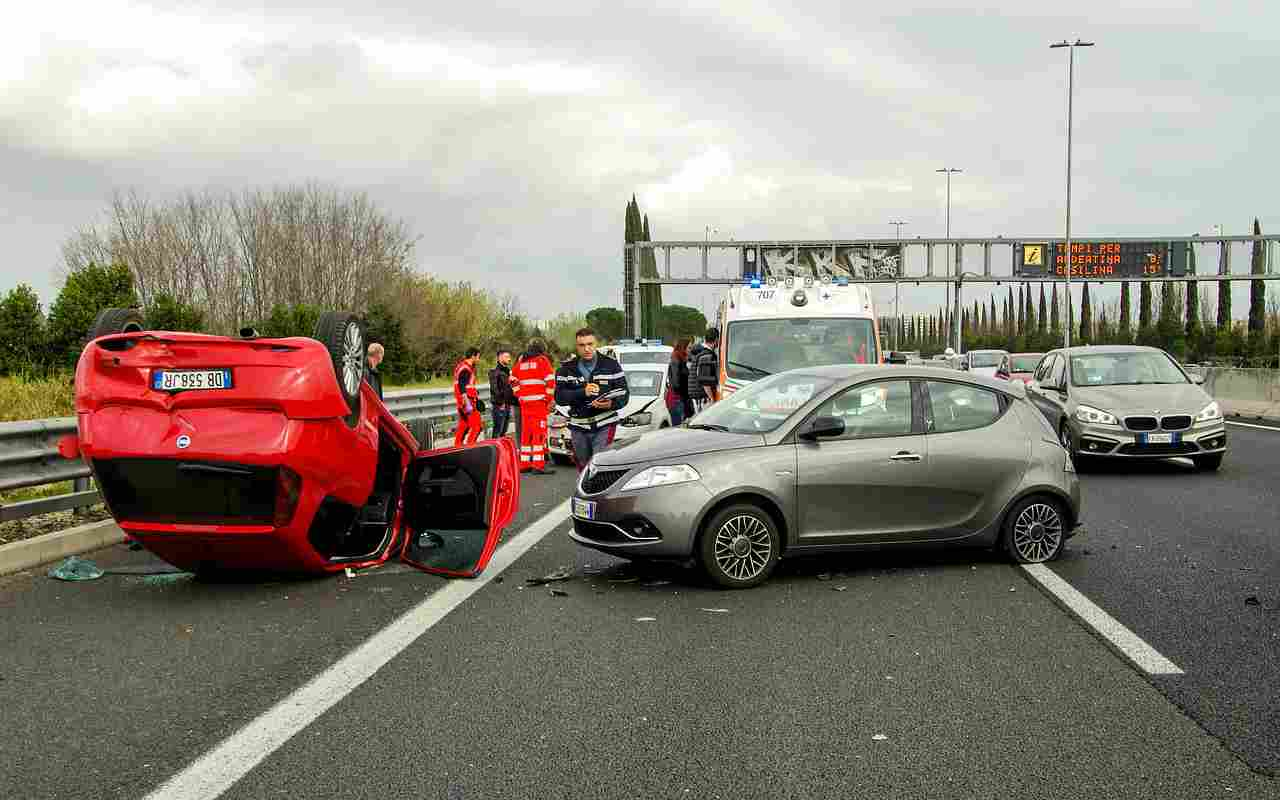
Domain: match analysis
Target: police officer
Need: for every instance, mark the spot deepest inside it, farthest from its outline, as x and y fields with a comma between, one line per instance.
x=594, y=387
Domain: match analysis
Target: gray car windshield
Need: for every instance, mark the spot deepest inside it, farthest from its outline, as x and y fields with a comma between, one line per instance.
x=762, y=406
x=1124, y=369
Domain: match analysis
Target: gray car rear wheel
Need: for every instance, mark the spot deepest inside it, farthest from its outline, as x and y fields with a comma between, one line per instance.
x=1035, y=530
x=740, y=546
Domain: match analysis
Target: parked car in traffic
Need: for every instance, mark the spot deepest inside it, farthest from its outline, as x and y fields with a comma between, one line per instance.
x=629, y=352
x=263, y=453
x=1019, y=366
x=1126, y=401
x=822, y=459
x=982, y=362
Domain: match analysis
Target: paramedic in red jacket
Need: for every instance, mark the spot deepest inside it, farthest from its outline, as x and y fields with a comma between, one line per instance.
x=534, y=378
x=466, y=395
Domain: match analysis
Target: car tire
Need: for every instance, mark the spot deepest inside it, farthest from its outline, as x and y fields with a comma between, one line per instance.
x=1064, y=438
x=1035, y=530
x=115, y=320
x=740, y=546
x=343, y=335
x=1209, y=463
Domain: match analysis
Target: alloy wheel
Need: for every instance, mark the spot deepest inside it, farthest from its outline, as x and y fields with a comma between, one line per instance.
x=1037, y=533
x=743, y=547
x=352, y=359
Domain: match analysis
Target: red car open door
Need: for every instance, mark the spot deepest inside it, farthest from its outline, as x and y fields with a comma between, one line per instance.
x=456, y=504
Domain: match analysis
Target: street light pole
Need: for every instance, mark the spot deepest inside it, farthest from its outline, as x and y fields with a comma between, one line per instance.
x=948, y=171
x=1071, y=65
x=897, y=313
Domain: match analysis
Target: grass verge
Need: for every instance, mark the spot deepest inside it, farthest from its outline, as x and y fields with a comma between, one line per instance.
x=25, y=397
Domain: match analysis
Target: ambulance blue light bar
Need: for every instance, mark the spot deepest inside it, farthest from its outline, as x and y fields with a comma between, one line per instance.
x=842, y=280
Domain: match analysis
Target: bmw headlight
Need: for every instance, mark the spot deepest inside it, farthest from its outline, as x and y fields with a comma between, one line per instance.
x=1093, y=416
x=662, y=476
x=1210, y=413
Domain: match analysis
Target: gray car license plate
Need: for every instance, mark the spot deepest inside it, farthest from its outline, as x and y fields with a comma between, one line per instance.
x=1159, y=438
x=584, y=509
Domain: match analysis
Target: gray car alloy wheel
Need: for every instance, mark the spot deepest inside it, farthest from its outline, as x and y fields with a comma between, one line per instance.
x=1037, y=533
x=743, y=547
x=352, y=358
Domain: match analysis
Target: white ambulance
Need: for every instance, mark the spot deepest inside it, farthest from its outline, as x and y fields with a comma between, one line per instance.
x=784, y=323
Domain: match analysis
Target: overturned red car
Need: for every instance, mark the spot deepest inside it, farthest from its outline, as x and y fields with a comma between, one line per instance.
x=250, y=453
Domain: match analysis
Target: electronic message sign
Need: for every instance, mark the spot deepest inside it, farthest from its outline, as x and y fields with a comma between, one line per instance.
x=859, y=261
x=1100, y=260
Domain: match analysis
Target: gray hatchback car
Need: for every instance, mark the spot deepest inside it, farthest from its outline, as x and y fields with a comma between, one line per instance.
x=830, y=459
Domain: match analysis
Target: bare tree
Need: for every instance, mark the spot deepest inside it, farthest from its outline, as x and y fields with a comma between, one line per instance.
x=237, y=256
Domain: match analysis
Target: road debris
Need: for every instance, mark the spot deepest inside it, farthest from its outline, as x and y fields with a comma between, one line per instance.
x=1013, y=589
x=646, y=619
x=351, y=573
x=497, y=579
x=879, y=737
x=167, y=578
x=561, y=574
x=625, y=579
x=715, y=610
x=559, y=593
x=824, y=576
x=839, y=588
x=75, y=568
x=1252, y=600
x=653, y=583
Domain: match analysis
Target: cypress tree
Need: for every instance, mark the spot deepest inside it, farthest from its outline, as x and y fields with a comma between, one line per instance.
x=1055, y=318
x=982, y=321
x=1042, y=321
x=1031, y=315
x=1257, y=291
x=1086, y=316
x=1195, y=336
x=1144, y=306
x=1021, y=315
x=651, y=295
x=1011, y=322
x=991, y=323
x=1224, y=294
x=1126, y=327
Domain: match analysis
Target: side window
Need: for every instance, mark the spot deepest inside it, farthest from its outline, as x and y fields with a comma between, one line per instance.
x=1058, y=376
x=960, y=407
x=872, y=409
x=1042, y=371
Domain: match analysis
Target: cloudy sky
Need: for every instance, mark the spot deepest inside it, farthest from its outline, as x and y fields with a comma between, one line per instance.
x=510, y=135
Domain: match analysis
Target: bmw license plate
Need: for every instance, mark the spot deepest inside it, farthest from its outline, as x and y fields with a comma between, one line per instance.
x=1159, y=438
x=584, y=509
x=177, y=380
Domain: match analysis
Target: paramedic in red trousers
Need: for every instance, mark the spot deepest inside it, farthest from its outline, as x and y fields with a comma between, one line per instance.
x=466, y=395
x=594, y=387
x=534, y=380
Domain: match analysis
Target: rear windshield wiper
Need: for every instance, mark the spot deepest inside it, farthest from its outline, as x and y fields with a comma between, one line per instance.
x=704, y=427
x=756, y=370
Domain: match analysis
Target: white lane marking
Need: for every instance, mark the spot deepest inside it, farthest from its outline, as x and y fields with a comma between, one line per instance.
x=1259, y=427
x=1146, y=657
x=216, y=771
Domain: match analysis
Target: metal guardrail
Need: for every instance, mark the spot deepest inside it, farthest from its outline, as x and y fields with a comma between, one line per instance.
x=29, y=450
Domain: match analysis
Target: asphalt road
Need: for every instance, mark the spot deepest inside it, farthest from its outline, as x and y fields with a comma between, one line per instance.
x=979, y=684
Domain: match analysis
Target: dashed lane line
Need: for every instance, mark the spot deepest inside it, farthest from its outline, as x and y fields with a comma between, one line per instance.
x=1256, y=427
x=1143, y=655
x=219, y=769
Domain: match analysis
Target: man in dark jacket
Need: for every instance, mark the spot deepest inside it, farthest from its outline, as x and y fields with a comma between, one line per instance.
x=704, y=371
x=371, y=375
x=594, y=387
x=501, y=395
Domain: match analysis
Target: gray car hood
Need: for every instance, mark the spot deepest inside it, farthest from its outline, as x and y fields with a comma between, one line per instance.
x=1167, y=398
x=672, y=443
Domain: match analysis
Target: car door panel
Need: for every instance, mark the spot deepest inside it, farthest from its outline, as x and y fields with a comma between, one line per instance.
x=456, y=504
x=972, y=471
x=869, y=487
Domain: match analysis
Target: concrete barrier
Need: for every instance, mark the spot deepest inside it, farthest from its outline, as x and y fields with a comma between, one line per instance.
x=1247, y=393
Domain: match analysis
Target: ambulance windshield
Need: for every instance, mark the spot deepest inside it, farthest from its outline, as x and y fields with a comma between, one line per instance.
x=767, y=346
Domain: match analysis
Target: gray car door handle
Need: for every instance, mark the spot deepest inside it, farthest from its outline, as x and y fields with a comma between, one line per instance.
x=905, y=456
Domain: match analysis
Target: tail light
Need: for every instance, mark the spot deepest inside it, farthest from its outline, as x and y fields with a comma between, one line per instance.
x=288, y=490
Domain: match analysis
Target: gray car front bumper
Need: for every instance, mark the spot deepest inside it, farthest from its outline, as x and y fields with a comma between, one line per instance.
x=1115, y=442
x=645, y=523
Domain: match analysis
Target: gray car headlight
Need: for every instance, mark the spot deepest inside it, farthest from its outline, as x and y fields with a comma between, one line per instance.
x=1093, y=416
x=1210, y=413
x=662, y=476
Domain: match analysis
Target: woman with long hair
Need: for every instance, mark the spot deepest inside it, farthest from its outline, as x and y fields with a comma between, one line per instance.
x=677, y=399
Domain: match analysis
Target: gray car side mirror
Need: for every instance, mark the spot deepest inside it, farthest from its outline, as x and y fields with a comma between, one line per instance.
x=823, y=428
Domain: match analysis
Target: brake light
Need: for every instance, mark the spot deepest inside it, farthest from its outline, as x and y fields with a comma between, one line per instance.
x=288, y=490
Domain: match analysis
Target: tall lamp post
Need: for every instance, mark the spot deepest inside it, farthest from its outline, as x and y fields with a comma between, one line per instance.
x=1071, y=66
x=897, y=314
x=949, y=171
